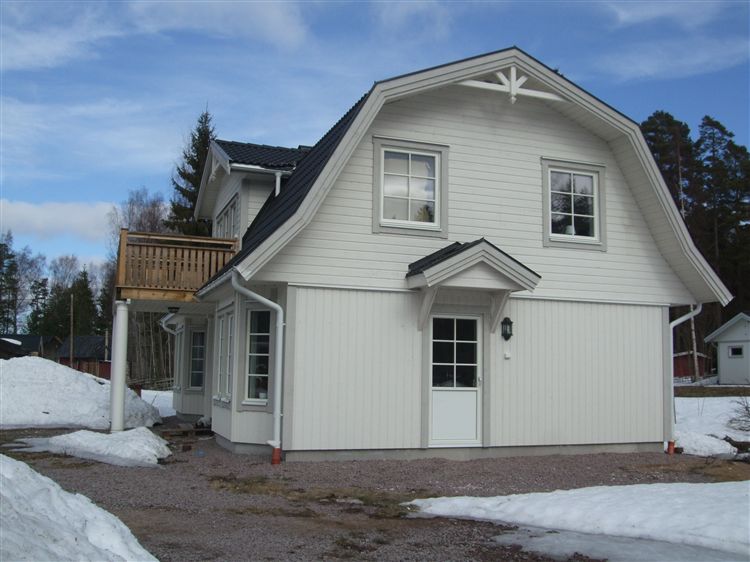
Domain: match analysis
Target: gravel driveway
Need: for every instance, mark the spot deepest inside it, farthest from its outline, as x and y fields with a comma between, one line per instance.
x=208, y=504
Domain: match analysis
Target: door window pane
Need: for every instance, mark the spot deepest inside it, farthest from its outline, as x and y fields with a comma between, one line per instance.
x=442, y=375
x=466, y=330
x=466, y=376
x=442, y=328
x=466, y=352
x=442, y=352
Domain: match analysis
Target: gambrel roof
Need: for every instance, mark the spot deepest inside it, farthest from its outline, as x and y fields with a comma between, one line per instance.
x=510, y=71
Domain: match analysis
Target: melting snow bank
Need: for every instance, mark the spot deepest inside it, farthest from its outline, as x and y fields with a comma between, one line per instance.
x=161, y=400
x=36, y=392
x=137, y=447
x=564, y=545
x=41, y=521
x=702, y=424
x=714, y=516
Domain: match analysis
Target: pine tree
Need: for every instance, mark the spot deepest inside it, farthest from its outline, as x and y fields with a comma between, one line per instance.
x=187, y=180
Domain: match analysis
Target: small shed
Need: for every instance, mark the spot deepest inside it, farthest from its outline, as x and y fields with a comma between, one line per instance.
x=90, y=355
x=732, y=341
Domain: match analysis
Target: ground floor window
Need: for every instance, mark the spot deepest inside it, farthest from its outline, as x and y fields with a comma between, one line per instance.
x=226, y=346
x=258, y=356
x=197, y=358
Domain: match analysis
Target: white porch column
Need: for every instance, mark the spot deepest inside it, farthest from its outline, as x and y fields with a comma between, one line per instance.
x=119, y=361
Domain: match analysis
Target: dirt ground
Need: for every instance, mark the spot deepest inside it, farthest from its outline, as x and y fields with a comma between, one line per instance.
x=208, y=504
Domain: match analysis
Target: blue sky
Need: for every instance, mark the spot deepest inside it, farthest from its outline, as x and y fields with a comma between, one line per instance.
x=98, y=98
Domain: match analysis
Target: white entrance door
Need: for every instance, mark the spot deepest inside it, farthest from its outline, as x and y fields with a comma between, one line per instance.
x=455, y=395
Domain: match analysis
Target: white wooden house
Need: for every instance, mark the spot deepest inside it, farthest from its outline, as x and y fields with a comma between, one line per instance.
x=732, y=340
x=477, y=259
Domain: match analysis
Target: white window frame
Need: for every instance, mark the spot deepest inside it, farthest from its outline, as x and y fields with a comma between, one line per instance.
x=597, y=172
x=191, y=358
x=478, y=345
x=246, y=399
x=736, y=346
x=228, y=220
x=438, y=228
x=225, y=355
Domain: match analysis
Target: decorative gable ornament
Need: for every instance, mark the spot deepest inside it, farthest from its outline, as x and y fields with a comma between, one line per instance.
x=512, y=84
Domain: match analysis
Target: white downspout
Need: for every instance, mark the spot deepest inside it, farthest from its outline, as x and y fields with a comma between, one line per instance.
x=163, y=323
x=672, y=325
x=278, y=355
x=277, y=189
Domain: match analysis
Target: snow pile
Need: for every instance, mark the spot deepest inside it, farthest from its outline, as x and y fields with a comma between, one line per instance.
x=36, y=392
x=702, y=424
x=713, y=516
x=137, y=447
x=162, y=400
x=41, y=521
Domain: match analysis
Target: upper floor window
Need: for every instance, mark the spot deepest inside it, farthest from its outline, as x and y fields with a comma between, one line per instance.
x=228, y=220
x=573, y=205
x=410, y=191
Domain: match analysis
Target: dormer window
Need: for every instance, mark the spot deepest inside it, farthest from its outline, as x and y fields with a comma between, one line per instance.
x=410, y=191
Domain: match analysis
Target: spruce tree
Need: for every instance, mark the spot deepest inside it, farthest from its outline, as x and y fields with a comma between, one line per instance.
x=186, y=180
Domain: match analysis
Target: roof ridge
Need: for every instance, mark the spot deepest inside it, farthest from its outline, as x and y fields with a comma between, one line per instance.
x=276, y=147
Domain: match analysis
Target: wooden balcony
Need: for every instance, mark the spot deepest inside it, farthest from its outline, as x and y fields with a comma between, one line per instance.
x=166, y=267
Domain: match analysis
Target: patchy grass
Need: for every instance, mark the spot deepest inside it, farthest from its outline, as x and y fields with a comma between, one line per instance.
x=273, y=511
x=717, y=470
x=710, y=391
x=383, y=505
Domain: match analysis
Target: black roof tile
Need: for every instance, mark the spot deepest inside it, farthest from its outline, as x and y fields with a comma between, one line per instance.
x=278, y=209
x=278, y=157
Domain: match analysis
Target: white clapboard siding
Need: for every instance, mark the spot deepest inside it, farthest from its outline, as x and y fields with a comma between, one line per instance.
x=578, y=373
x=258, y=188
x=230, y=186
x=495, y=191
x=356, y=371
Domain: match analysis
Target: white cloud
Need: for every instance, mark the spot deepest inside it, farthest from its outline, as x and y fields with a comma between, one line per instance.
x=30, y=42
x=420, y=20
x=103, y=135
x=679, y=58
x=689, y=15
x=278, y=23
x=88, y=221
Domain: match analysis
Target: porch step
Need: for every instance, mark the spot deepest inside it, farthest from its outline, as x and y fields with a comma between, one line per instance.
x=184, y=431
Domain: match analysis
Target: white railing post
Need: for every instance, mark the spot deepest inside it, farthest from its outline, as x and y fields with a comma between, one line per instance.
x=119, y=362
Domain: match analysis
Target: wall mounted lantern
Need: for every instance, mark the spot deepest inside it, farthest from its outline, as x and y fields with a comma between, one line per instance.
x=506, y=328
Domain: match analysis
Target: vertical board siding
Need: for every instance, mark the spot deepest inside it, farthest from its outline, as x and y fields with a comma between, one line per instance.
x=357, y=370
x=495, y=191
x=578, y=373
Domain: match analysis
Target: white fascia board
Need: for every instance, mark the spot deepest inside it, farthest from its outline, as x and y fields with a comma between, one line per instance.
x=216, y=157
x=215, y=284
x=721, y=329
x=408, y=85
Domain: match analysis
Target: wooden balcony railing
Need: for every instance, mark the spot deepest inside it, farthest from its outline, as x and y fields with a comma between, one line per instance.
x=166, y=266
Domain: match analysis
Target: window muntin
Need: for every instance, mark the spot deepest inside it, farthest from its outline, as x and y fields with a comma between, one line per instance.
x=455, y=352
x=410, y=188
x=736, y=351
x=197, y=359
x=573, y=204
x=258, y=356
